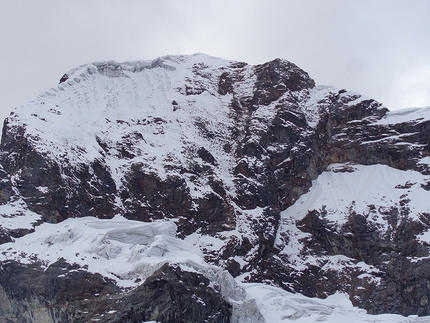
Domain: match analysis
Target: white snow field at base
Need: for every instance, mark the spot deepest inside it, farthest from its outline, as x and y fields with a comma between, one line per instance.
x=279, y=306
x=127, y=251
x=120, y=249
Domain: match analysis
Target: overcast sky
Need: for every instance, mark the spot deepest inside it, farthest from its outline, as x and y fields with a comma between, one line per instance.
x=380, y=48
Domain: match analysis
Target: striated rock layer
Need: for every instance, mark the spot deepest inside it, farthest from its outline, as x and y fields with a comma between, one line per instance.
x=245, y=160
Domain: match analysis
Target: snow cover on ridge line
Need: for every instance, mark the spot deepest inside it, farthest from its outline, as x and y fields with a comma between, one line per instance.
x=322, y=92
x=405, y=115
x=103, y=103
x=68, y=122
x=169, y=62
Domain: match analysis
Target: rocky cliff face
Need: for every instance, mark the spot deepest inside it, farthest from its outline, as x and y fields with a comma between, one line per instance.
x=240, y=158
x=30, y=294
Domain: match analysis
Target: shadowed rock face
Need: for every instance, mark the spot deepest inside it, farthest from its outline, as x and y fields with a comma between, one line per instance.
x=68, y=293
x=248, y=142
x=61, y=293
x=172, y=295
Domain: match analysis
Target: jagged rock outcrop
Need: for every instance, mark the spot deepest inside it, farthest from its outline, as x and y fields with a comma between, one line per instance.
x=172, y=295
x=226, y=149
x=61, y=293
x=68, y=293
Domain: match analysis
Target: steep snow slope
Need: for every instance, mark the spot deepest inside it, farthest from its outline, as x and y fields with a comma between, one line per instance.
x=344, y=189
x=370, y=190
x=106, y=102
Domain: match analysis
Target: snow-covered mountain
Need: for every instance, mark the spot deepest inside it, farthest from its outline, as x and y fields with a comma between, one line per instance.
x=192, y=188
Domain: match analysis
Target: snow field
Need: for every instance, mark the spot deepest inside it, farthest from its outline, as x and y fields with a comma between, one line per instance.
x=368, y=190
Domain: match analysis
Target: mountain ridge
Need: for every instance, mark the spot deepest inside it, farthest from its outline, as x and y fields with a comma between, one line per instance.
x=224, y=150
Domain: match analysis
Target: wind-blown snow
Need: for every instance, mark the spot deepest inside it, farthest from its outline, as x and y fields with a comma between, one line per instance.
x=94, y=105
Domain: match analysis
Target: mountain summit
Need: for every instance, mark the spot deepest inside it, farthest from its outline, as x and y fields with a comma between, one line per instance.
x=199, y=170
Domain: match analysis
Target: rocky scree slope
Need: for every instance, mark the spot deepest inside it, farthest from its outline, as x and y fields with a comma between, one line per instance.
x=236, y=156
